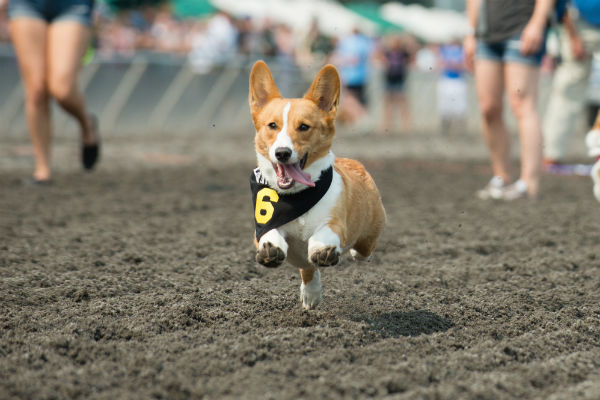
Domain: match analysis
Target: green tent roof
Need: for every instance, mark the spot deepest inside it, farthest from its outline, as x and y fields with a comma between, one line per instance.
x=181, y=8
x=371, y=12
x=128, y=4
x=192, y=8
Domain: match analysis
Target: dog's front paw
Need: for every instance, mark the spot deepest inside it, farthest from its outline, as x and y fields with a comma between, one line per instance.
x=325, y=257
x=270, y=256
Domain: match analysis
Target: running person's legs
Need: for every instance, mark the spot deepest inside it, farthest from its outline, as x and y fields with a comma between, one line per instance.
x=29, y=35
x=49, y=47
x=67, y=43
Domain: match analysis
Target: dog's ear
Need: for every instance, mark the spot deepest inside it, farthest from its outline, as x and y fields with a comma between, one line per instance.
x=325, y=89
x=262, y=86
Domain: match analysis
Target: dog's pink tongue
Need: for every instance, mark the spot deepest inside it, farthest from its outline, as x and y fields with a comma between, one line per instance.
x=298, y=175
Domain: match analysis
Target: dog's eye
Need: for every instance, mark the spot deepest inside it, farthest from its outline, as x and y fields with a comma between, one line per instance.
x=272, y=125
x=303, y=127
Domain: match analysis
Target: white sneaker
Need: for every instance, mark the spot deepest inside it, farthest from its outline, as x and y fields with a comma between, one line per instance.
x=493, y=189
x=517, y=190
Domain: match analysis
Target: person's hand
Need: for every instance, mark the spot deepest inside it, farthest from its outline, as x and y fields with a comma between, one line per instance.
x=532, y=38
x=577, y=47
x=574, y=38
x=469, y=46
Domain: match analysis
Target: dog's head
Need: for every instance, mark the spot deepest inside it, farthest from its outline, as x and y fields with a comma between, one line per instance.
x=293, y=136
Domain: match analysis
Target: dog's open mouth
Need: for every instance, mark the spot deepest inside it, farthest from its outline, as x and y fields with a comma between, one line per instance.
x=287, y=174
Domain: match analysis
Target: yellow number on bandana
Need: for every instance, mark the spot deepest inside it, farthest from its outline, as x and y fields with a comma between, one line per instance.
x=264, y=209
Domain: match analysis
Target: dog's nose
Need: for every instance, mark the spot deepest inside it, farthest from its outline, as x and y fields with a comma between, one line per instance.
x=283, y=154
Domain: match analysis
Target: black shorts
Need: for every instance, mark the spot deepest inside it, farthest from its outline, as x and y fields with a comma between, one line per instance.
x=52, y=10
x=358, y=91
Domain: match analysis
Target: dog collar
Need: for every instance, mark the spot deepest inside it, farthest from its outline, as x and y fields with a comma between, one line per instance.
x=272, y=209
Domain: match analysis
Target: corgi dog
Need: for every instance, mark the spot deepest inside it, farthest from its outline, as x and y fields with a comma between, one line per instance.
x=592, y=140
x=309, y=206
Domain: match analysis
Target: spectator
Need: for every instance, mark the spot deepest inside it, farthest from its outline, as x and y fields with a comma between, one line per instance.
x=580, y=38
x=353, y=55
x=116, y=37
x=167, y=33
x=246, y=37
x=286, y=57
x=316, y=45
x=49, y=43
x=396, y=57
x=452, y=88
x=266, y=42
x=216, y=46
x=506, y=57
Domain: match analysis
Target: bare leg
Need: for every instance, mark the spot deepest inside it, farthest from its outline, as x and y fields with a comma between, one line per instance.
x=353, y=107
x=29, y=40
x=490, y=89
x=522, y=89
x=67, y=42
x=387, y=123
x=404, y=112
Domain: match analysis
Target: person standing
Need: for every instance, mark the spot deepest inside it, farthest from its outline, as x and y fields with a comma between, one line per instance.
x=579, y=39
x=352, y=56
x=505, y=49
x=452, y=87
x=50, y=38
x=397, y=58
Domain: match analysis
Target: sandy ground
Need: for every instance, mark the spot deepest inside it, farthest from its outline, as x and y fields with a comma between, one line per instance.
x=139, y=281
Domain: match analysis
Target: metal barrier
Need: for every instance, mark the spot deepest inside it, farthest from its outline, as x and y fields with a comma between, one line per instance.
x=149, y=95
x=154, y=95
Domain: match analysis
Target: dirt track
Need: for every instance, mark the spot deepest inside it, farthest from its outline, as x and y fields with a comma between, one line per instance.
x=142, y=283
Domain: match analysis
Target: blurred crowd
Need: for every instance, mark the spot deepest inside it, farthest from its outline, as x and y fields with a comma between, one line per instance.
x=219, y=38
x=212, y=40
x=216, y=39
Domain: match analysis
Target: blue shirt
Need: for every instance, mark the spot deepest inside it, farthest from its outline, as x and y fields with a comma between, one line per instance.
x=354, y=52
x=452, y=58
x=589, y=11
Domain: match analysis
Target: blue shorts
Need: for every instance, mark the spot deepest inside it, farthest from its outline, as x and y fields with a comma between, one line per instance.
x=52, y=10
x=508, y=51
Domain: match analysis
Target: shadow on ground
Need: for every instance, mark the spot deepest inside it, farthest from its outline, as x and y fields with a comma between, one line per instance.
x=406, y=323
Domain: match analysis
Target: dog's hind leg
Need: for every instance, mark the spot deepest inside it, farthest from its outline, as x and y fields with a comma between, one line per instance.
x=361, y=251
x=311, y=290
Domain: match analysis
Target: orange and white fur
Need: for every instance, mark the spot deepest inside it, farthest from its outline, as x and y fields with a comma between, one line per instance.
x=592, y=140
x=293, y=145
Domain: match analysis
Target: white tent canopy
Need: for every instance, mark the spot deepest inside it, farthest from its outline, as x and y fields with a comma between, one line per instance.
x=333, y=18
x=429, y=24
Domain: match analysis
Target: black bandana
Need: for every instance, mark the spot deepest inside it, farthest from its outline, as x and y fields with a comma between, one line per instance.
x=272, y=209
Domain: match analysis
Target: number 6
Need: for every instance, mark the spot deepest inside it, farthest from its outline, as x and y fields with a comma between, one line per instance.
x=264, y=209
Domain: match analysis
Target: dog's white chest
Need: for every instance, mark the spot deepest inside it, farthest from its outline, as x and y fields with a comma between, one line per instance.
x=303, y=227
